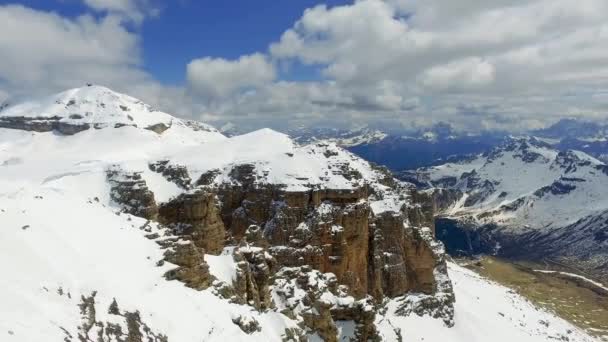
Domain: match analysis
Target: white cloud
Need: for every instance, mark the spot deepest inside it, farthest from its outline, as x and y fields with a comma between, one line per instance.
x=495, y=57
x=42, y=53
x=218, y=77
x=51, y=52
x=135, y=10
x=466, y=74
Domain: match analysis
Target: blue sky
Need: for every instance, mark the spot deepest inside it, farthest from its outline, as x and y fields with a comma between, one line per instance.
x=398, y=64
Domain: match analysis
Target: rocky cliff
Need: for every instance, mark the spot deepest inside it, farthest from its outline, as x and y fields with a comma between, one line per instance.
x=375, y=240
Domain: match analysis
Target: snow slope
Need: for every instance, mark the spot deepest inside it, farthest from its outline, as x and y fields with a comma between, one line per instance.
x=484, y=311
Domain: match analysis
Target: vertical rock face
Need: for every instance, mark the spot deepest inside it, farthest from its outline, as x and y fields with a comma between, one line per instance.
x=195, y=214
x=401, y=261
x=254, y=270
x=325, y=229
x=191, y=267
x=333, y=231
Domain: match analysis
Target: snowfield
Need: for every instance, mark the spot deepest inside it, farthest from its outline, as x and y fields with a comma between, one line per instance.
x=63, y=241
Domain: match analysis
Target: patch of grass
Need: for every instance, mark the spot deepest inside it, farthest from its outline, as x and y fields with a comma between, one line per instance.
x=567, y=298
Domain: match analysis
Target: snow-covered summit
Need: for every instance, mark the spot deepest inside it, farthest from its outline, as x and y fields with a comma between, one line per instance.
x=87, y=107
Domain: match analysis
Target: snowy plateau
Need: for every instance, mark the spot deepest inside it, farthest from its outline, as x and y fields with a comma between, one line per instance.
x=122, y=223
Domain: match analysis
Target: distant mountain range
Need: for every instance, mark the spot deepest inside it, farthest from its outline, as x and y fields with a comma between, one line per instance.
x=439, y=144
x=523, y=199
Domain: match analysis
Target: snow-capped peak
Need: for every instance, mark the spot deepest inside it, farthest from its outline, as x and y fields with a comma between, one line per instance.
x=91, y=106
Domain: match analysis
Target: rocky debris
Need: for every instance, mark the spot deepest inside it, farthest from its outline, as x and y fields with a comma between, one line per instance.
x=124, y=326
x=195, y=214
x=207, y=178
x=173, y=173
x=294, y=335
x=130, y=191
x=317, y=301
x=248, y=324
x=43, y=124
x=198, y=126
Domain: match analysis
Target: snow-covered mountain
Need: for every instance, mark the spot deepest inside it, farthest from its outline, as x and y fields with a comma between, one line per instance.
x=341, y=137
x=589, y=137
x=400, y=150
x=122, y=223
x=526, y=198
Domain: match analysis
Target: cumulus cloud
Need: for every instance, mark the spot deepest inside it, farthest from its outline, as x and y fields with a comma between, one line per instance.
x=218, y=77
x=466, y=74
x=510, y=63
x=51, y=52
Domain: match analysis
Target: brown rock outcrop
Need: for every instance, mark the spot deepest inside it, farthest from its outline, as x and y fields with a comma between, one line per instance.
x=93, y=329
x=177, y=174
x=254, y=269
x=192, y=269
x=196, y=215
x=129, y=190
x=319, y=302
